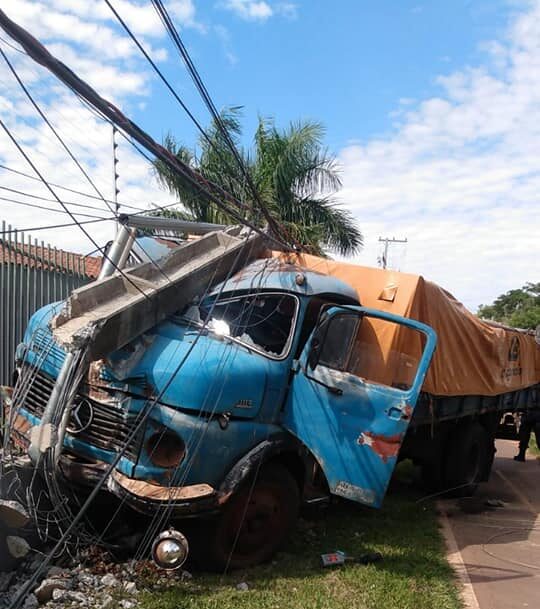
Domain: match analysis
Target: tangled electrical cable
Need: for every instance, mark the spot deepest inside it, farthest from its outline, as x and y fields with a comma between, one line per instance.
x=68, y=523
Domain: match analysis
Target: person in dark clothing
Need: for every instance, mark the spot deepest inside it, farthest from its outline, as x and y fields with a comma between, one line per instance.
x=530, y=421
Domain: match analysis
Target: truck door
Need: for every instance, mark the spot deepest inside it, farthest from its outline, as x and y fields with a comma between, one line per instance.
x=353, y=394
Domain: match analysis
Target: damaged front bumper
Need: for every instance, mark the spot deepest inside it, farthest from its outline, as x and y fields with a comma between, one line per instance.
x=141, y=495
x=183, y=501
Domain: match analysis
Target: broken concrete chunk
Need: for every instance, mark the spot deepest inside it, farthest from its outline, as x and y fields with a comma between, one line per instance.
x=109, y=580
x=58, y=594
x=44, y=592
x=18, y=547
x=55, y=571
x=77, y=597
x=130, y=587
x=13, y=514
x=88, y=580
x=242, y=586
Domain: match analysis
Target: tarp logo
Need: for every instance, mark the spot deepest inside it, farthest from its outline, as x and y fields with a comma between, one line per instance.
x=513, y=351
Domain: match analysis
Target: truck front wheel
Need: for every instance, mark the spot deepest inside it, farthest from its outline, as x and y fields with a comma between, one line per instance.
x=256, y=521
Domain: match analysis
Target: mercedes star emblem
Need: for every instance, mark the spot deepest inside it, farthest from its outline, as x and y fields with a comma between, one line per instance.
x=82, y=415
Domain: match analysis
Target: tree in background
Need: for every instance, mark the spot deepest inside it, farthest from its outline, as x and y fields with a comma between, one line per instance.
x=295, y=177
x=517, y=308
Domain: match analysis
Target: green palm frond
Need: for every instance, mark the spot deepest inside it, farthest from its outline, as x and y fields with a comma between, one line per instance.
x=295, y=178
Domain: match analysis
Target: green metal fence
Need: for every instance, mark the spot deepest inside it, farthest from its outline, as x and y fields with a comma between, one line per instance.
x=32, y=274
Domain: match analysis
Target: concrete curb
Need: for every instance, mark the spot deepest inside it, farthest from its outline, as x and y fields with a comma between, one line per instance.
x=455, y=559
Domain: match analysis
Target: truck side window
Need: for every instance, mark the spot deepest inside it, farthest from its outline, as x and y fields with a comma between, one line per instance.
x=312, y=316
x=339, y=333
x=378, y=351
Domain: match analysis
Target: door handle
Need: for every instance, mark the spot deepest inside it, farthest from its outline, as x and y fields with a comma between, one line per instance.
x=394, y=413
x=399, y=413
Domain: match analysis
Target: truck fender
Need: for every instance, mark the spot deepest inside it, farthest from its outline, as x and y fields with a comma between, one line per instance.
x=249, y=464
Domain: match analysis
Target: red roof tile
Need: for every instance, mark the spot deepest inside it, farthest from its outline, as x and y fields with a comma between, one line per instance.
x=49, y=258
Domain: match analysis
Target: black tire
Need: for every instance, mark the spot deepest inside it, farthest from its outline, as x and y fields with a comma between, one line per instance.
x=255, y=522
x=467, y=459
x=433, y=475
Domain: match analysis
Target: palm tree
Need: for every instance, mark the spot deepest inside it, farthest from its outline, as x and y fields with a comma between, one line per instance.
x=295, y=178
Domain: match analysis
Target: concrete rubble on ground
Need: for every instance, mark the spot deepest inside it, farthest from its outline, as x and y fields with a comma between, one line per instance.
x=87, y=586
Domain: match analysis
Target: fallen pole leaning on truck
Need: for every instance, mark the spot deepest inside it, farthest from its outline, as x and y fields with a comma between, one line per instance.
x=290, y=394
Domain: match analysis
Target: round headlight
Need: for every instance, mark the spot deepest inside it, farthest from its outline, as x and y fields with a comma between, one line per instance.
x=165, y=449
x=170, y=550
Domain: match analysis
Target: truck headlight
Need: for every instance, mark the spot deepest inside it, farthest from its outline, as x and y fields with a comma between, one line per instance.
x=170, y=550
x=165, y=448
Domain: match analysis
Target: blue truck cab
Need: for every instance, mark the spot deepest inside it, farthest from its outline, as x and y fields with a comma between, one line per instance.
x=266, y=392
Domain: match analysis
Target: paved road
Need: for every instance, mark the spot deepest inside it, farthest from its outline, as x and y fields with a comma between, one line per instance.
x=498, y=550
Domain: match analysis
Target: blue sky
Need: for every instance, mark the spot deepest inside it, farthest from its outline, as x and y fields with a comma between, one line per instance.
x=347, y=64
x=432, y=109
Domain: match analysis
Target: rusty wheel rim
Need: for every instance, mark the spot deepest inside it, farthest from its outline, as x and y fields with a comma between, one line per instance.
x=256, y=522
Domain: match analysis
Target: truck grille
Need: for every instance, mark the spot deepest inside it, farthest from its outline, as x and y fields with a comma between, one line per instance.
x=107, y=428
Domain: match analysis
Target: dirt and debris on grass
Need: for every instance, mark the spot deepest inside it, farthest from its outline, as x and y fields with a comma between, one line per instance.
x=95, y=582
x=413, y=573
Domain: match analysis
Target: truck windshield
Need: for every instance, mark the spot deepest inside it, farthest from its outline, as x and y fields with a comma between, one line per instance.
x=263, y=322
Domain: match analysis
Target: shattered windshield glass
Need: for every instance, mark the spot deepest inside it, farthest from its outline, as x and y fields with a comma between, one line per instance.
x=263, y=321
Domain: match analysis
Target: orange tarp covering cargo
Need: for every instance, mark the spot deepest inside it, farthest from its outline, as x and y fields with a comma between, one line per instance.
x=472, y=357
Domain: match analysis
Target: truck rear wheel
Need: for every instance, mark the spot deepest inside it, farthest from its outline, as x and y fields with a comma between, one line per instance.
x=256, y=521
x=467, y=459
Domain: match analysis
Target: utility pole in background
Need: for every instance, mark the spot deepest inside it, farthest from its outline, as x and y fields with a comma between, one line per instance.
x=115, y=175
x=383, y=260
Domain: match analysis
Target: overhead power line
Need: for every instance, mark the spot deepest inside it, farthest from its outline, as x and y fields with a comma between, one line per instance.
x=156, y=69
x=66, y=188
x=44, y=208
x=203, y=91
x=48, y=199
x=51, y=127
x=205, y=187
x=12, y=46
x=170, y=88
x=34, y=229
x=72, y=216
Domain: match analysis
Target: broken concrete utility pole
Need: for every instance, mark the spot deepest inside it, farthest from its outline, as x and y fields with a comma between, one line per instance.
x=117, y=309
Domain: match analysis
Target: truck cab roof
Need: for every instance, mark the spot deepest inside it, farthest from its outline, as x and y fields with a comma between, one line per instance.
x=275, y=274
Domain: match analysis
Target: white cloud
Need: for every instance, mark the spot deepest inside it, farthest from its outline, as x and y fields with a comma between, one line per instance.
x=223, y=34
x=287, y=9
x=256, y=10
x=140, y=16
x=260, y=10
x=87, y=38
x=460, y=174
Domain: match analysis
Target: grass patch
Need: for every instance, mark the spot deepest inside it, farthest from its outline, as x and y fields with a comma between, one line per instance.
x=413, y=574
